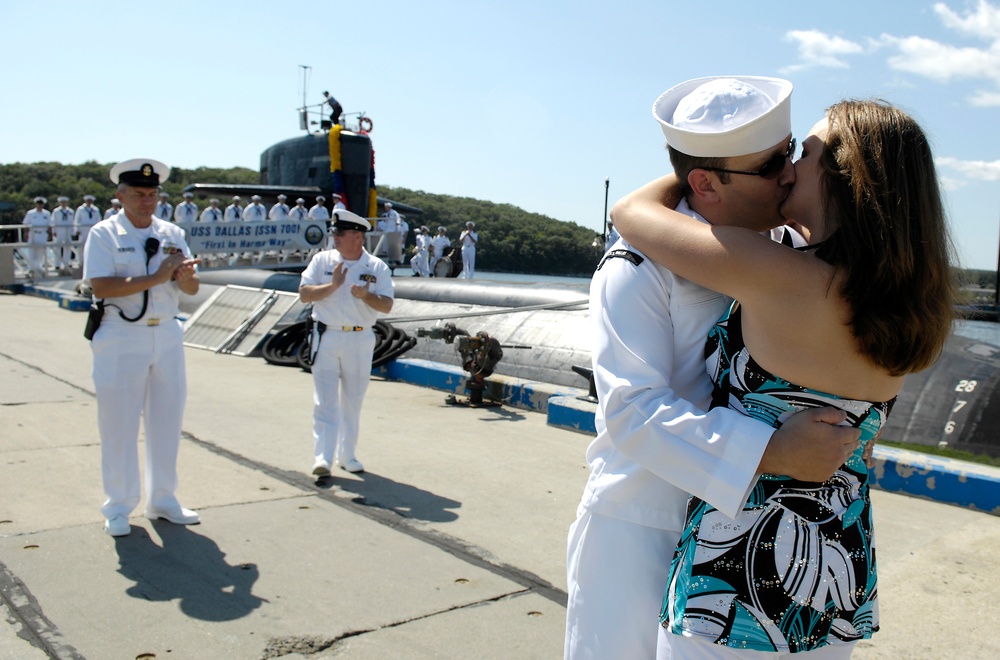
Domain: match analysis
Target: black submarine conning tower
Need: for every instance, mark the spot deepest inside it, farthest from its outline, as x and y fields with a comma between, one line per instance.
x=305, y=161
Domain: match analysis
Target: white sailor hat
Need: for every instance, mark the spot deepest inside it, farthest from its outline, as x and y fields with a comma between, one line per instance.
x=724, y=116
x=214, y=200
x=388, y=205
x=140, y=172
x=470, y=223
x=346, y=220
x=188, y=195
x=236, y=198
x=442, y=228
x=164, y=195
x=424, y=228
x=62, y=198
x=115, y=201
x=337, y=195
x=41, y=200
x=300, y=201
x=89, y=198
x=255, y=198
x=320, y=198
x=282, y=197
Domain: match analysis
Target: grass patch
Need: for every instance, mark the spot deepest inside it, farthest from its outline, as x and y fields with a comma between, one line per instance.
x=944, y=452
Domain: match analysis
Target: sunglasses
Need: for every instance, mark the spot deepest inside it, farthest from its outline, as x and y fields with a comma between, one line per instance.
x=772, y=169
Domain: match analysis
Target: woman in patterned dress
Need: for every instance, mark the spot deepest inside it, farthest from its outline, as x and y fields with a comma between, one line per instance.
x=838, y=323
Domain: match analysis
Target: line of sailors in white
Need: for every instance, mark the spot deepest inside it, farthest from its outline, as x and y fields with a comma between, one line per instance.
x=63, y=223
x=59, y=227
x=188, y=211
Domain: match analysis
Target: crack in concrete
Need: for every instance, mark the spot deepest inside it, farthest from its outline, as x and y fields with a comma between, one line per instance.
x=313, y=644
x=36, y=629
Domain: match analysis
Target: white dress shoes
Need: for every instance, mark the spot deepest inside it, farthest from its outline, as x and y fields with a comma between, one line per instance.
x=353, y=465
x=178, y=516
x=321, y=469
x=117, y=526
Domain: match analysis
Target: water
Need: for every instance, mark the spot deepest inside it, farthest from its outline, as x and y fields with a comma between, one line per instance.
x=984, y=331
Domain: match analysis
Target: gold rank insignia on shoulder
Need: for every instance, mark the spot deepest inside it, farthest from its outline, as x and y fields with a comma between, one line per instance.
x=368, y=277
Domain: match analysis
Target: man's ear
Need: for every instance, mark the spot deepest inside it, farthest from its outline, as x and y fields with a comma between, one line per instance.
x=703, y=185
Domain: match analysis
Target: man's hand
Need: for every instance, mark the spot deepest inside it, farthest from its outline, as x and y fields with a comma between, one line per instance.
x=869, y=454
x=360, y=290
x=809, y=446
x=186, y=270
x=169, y=266
x=339, y=276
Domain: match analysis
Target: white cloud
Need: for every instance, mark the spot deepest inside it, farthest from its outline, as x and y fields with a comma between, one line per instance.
x=818, y=49
x=941, y=62
x=979, y=170
x=944, y=62
x=984, y=22
x=984, y=99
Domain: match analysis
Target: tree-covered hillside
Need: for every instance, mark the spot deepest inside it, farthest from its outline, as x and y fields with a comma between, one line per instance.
x=510, y=239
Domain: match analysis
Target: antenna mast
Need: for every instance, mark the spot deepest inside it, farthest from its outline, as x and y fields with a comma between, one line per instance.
x=303, y=112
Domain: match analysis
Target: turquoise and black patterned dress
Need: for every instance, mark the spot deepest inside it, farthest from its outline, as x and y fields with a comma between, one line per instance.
x=795, y=570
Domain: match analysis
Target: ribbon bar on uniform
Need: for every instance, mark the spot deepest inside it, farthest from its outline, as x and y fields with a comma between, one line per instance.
x=152, y=322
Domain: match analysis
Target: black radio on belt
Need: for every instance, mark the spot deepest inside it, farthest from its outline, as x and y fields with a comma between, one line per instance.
x=96, y=313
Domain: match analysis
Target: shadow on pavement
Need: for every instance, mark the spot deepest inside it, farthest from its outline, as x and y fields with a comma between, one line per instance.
x=406, y=500
x=188, y=567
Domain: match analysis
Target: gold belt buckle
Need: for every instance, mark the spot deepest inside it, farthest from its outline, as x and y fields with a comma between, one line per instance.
x=152, y=322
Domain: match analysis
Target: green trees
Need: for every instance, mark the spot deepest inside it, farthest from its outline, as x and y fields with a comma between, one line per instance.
x=20, y=183
x=510, y=239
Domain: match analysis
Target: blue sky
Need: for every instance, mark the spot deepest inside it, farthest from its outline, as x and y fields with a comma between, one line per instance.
x=531, y=103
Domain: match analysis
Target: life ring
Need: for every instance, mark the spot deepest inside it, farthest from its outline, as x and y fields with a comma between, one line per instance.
x=365, y=124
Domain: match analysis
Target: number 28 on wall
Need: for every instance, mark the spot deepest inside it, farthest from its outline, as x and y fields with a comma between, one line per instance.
x=965, y=386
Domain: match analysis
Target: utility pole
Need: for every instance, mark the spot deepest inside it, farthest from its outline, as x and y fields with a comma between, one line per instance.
x=996, y=284
x=605, y=234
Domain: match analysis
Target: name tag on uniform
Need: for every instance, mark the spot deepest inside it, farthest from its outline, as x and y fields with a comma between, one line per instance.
x=126, y=249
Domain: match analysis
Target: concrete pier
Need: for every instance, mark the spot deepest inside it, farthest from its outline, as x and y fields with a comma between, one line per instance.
x=451, y=545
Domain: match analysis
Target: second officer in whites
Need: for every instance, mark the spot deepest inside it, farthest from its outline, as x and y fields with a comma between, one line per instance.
x=348, y=289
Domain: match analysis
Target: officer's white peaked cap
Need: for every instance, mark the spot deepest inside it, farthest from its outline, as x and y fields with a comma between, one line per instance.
x=140, y=172
x=343, y=219
x=724, y=116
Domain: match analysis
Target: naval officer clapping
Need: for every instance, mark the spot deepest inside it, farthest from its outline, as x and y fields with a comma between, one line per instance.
x=138, y=265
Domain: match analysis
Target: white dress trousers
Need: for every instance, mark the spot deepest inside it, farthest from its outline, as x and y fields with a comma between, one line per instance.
x=139, y=372
x=341, y=372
